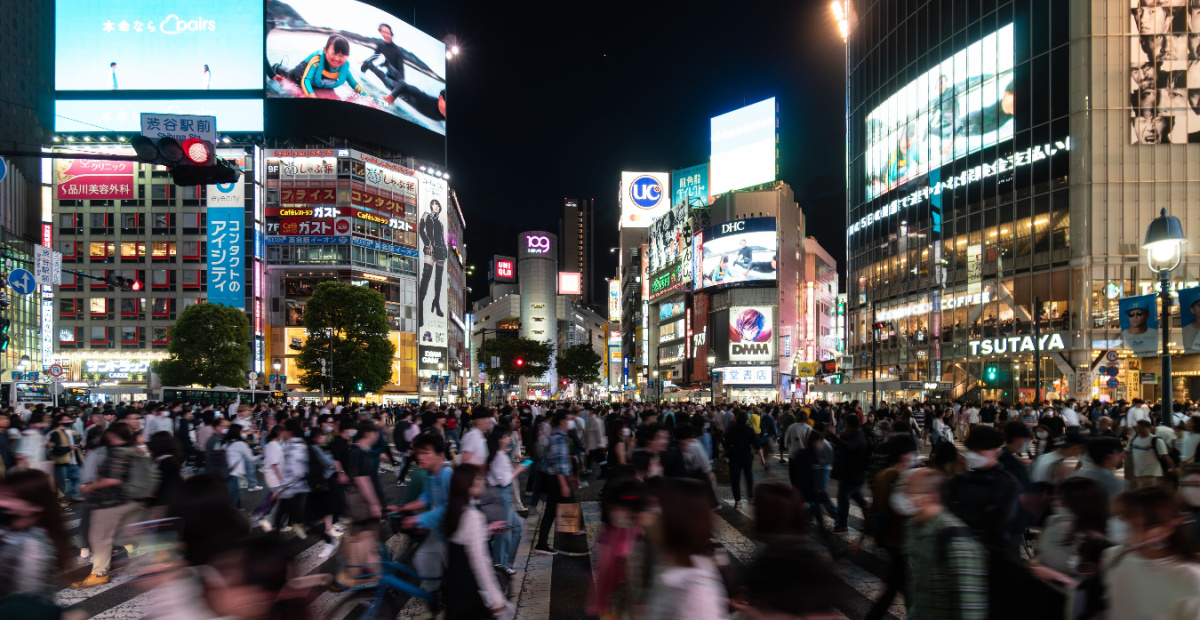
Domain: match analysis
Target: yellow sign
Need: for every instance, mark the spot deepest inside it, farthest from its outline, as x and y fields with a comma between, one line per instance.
x=807, y=369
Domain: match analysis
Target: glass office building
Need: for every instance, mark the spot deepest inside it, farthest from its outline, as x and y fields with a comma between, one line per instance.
x=1004, y=160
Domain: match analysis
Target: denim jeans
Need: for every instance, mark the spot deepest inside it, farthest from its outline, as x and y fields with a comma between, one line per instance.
x=503, y=544
x=847, y=492
x=251, y=478
x=820, y=500
x=452, y=435
x=235, y=493
x=67, y=479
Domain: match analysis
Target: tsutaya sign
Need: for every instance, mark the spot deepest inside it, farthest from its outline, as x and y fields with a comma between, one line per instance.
x=1017, y=344
x=947, y=302
x=978, y=173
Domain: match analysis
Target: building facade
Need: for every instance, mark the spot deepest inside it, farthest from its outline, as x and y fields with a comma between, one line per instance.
x=576, y=249
x=1005, y=159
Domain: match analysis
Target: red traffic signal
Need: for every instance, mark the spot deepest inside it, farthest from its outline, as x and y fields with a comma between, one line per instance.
x=563, y=382
x=519, y=362
x=198, y=152
x=136, y=285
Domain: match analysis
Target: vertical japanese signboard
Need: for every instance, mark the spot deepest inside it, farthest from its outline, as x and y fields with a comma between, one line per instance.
x=226, y=258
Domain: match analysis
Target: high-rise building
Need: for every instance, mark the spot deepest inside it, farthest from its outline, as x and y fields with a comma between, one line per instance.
x=576, y=243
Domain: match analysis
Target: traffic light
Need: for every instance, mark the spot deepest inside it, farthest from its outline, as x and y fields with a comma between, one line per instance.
x=563, y=383
x=997, y=375
x=519, y=363
x=194, y=162
x=124, y=284
x=358, y=386
x=4, y=325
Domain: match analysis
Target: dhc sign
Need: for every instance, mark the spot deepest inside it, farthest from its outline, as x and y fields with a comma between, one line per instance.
x=1017, y=344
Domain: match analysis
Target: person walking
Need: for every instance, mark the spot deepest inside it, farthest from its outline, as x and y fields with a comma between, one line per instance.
x=851, y=456
x=949, y=567
x=886, y=525
x=472, y=590
x=501, y=473
x=556, y=474
x=1155, y=569
x=108, y=502
x=741, y=444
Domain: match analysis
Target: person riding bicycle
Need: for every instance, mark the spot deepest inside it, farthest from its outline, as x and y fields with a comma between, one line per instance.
x=429, y=558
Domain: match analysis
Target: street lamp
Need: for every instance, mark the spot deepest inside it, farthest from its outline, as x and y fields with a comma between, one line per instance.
x=441, y=384
x=712, y=380
x=23, y=364
x=277, y=364
x=1164, y=251
x=657, y=390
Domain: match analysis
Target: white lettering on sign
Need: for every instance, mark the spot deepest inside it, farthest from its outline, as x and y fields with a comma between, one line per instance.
x=946, y=303
x=1017, y=344
x=733, y=227
x=326, y=212
x=1003, y=164
x=537, y=244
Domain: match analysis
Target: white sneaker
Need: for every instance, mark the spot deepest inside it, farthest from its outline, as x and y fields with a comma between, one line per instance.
x=329, y=549
x=583, y=484
x=254, y=489
x=85, y=553
x=265, y=524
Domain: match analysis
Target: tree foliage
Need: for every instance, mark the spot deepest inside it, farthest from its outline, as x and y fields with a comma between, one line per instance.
x=362, y=351
x=579, y=364
x=535, y=355
x=208, y=347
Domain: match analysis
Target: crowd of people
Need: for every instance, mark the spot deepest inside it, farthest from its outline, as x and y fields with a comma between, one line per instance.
x=977, y=510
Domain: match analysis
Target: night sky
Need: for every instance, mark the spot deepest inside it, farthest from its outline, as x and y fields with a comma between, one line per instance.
x=554, y=101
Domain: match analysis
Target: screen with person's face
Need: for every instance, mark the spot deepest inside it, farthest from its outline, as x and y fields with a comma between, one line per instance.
x=1164, y=44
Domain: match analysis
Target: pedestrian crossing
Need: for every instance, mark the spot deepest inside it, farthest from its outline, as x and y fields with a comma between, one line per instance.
x=544, y=586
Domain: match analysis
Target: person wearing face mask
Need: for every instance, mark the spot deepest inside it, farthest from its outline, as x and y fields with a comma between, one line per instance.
x=985, y=496
x=949, y=566
x=1105, y=454
x=1155, y=568
x=885, y=524
x=34, y=544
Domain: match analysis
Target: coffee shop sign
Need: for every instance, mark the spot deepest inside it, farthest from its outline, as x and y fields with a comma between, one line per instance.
x=1017, y=344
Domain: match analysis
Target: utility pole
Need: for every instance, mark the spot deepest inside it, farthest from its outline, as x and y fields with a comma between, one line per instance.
x=874, y=361
x=1037, y=343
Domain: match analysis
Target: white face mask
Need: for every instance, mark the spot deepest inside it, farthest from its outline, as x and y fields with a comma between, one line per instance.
x=222, y=430
x=903, y=504
x=911, y=460
x=1118, y=531
x=1042, y=434
x=625, y=432
x=1191, y=495
x=352, y=432
x=976, y=460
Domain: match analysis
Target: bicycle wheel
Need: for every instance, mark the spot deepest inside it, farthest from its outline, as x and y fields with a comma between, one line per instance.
x=357, y=606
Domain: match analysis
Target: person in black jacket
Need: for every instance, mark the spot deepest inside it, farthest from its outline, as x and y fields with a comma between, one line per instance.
x=985, y=496
x=433, y=242
x=851, y=456
x=741, y=444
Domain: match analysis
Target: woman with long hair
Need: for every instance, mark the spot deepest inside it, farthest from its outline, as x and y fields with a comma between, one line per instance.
x=240, y=459
x=687, y=585
x=323, y=503
x=34, y=545
x=168, y=457
x=472, y=590
x=501, y=474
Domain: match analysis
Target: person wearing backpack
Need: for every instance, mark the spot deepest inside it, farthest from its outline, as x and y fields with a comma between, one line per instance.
x=110, y=501
x=949, y=578
x=1150, y=456
x=852, y=453
x=294, y=489
x=239, y=463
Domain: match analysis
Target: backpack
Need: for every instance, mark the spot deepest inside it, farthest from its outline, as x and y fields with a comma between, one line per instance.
x=143, y=480
x=316, y=477
x=215, y=462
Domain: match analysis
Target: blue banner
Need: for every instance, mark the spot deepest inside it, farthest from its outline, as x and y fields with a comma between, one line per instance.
x=1189, y=312
x=381, y=246
x=690, y=186
x=308, y=239
x=1139, y=324
x=226, y=256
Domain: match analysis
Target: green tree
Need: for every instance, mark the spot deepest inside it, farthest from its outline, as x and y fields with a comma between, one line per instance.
x=208, y=347
x=362, y=351
x=534, y=355
x=579, y=364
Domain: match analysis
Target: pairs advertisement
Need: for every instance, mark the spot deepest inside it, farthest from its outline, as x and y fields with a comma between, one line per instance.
x=670, y=238
x=743, y=151
x=751, y=333
x=158, y=45
x=964, y=104
x=643, y=198
x=739, y=253
x=349, y=51
x=433, y=291
x=226, y=260
x=1164, y=85
x=1139, y=324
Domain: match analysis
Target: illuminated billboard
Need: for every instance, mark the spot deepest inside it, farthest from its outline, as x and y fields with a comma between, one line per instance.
x=747, y=375
x=505, y=269
x=751, y=333
x=614, y=301
x=570, y=283
x=109, y=115
x=738, y=253
x=743, y=147
x=690, y=186
x=957, y=108
x=349, y=51
x=433, y=293
x=670, y=238
x=1165, y=72
x=158, y=45
x=643, y=198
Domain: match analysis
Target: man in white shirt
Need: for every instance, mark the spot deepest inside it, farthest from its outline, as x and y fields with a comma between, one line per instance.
x=474, y=443
x=1149, y=452
x=1069, y=415
x=1137, y=412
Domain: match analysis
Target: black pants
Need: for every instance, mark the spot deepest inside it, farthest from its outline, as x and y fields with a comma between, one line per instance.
x=896, y=580
x=737, y=469
x=439, y=267
x=554, y=497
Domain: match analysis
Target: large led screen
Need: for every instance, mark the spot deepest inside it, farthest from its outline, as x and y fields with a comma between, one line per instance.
x=956, y=108
x=108, y=115
x=157, y=45
x=1164, y=71
x=349, y=51
x=739, y=253
x=743, y=148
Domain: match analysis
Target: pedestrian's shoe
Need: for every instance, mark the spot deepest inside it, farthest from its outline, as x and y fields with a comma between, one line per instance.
x=92, y=581
x=543, y=549
x=85, y=553
x=265, y=524
x=841, y=529
x=583, y=484
x=329, y=549
x=254, y=489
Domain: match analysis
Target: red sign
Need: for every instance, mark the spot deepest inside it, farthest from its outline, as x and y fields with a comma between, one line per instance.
x=504, y=269
x=305, y=226
x=299, y=152
x=311, y=195
x=370, y=200
x=341, y=226
x=87, y=179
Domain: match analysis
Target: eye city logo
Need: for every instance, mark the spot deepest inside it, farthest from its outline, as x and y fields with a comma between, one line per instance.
x=537, y=244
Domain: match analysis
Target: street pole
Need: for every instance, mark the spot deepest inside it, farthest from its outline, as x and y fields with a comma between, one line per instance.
x=1164, y=293
x=331, y=362
x=1037, y=343
x=874, y=360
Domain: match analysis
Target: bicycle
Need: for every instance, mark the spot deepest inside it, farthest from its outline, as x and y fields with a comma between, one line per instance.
x=382, y=600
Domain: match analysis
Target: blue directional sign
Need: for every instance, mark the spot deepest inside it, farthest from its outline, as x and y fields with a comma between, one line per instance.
x=482, y=366
x=22, y=281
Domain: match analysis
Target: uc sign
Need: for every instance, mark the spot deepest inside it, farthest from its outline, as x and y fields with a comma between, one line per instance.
x=645, y=192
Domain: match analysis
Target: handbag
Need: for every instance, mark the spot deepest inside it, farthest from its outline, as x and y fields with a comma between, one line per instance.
x=569, y=519
x=356, y=505
x=491, y=505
